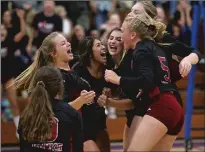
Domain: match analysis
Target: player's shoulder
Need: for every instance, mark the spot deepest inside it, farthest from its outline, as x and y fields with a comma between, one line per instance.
x=144, y=47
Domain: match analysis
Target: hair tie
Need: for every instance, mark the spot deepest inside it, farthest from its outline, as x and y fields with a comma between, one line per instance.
x=41, y=83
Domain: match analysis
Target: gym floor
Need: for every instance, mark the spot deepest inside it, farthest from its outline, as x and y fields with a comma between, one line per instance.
x=198, y=146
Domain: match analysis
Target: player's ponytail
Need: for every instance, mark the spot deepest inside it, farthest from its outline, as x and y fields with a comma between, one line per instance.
x=160, y=29
x=143, y=24
x=37, y=118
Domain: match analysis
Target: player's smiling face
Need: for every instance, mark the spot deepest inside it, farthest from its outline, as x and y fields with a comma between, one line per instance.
x=115, y=43
x=99, y=52
x=62, y=49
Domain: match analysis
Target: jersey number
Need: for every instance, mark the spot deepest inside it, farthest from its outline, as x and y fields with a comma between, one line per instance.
x=54, y=130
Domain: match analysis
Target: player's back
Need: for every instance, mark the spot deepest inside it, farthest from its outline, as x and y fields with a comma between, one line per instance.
x=67, y=128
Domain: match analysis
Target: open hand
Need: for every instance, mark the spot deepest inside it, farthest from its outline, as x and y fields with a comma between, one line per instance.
x=87, y=97
x=185, y=67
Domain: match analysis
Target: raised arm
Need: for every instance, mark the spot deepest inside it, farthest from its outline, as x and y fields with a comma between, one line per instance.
x=18, y=37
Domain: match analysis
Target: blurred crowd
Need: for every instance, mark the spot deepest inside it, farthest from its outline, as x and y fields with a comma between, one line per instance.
x=24, y=25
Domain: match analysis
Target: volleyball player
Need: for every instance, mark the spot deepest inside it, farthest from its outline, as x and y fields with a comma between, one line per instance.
x=173, y=46
x=91, y=67
x=56, y=51
x=184, y=66
x=48, y=123
x=122, y=61
x=152, y=75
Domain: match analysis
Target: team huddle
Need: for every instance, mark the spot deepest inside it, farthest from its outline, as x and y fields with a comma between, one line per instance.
x=133, y=70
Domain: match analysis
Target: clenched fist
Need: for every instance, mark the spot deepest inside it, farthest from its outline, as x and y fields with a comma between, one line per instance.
x=112, y=77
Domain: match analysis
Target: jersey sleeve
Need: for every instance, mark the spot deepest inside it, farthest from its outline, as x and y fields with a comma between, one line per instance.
x=142, y=67
x=177, y=47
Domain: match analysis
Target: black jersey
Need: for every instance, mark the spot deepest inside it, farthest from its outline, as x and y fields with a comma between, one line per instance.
x=150, y=70
x=73, y=84
x=67, y=134
x=176, y=47
x=94, y=118
x=125, y=70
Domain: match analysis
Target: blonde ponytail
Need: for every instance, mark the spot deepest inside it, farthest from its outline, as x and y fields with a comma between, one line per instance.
x=147, y=27
x=160, y=29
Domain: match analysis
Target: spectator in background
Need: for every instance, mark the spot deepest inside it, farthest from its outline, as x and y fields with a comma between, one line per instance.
x=4, y=7
x=67, y=24
x=17, y=38
x=78, y=35
x=113, y=22
x=78, y=12
x=94, y=33
x=44, y=23
x=182, y=19
x=174, y=28
x=83, y=19
x=10, y=19
x=30, y=8
x=177, y=31
x=161, y=15
x=101, y=10
x=8, y=73
x=183, y=13
x=6, y=19
x=26, y=5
